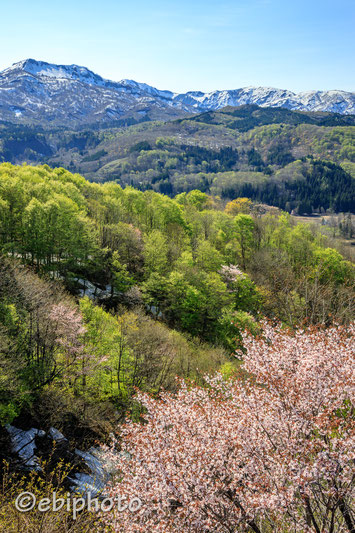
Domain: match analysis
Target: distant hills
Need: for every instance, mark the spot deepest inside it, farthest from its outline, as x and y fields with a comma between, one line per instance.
x=273, y=146
x=295, y=160
x=43, y=94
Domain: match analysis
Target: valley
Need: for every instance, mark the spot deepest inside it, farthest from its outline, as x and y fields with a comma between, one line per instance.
x=176, y=305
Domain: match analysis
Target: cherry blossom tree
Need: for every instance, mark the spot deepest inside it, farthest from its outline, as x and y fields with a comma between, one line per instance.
x=269, y=452
x=231, y=273
x=66, y=329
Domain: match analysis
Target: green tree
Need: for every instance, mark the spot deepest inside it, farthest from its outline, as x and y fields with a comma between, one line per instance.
x=245, y=236
x=207, y=257
x=155, y=252
x=122, y=281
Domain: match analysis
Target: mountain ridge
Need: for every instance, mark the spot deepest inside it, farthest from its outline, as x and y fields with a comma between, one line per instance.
x=37, y=92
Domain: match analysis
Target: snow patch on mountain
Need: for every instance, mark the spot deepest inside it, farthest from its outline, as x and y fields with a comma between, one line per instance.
x=40, y=92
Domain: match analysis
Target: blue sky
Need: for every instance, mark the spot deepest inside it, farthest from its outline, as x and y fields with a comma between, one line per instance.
x=188, y=44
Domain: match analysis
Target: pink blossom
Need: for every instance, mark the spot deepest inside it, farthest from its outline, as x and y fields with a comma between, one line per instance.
x=272, y=452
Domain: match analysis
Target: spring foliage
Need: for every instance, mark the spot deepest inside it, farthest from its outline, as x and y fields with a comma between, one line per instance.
x=272, y=452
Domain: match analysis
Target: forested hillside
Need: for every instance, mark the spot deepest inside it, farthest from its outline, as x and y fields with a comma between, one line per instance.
x=301, y=162
x=177, y=267
x=186, y=263
x=108, y=290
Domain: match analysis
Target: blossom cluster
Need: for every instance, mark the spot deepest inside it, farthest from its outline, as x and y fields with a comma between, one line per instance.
x=273, y=451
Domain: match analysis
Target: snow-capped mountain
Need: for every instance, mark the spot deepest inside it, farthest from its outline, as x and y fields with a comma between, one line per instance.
x=332, y=101
x=36, y=92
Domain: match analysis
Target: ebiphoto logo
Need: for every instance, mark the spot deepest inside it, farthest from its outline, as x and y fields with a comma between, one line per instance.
x=27, y=501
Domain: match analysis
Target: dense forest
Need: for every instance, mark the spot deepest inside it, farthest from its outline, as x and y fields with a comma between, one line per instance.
x=186, y=264
x=301, y=162
x=109, y=293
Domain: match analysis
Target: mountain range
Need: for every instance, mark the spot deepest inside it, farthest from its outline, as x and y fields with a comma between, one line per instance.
x=40, y=93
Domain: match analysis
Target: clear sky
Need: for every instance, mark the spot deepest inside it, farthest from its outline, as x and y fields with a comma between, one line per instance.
x=189, y=44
